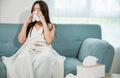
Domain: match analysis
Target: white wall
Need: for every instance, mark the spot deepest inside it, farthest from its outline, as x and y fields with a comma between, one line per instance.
x=111, y=33
x=14, y=11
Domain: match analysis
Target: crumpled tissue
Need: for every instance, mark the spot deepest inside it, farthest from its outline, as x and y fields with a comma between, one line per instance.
x=35, y=17
x=90, y=61
x=70, y=75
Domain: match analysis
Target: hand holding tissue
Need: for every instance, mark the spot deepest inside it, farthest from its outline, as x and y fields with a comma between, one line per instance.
x=90, y=68
x=35, y=17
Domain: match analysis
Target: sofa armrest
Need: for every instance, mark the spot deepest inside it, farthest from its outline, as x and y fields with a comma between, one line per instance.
x=98, y=48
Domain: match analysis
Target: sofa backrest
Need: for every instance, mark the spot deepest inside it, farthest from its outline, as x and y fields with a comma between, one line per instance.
x=8, y=39
x=68, y=38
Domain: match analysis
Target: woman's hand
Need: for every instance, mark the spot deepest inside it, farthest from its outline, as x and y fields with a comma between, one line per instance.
x=42, y=18
x=29, y=19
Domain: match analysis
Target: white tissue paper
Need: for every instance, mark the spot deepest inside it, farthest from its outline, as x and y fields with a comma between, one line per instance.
x=35, y=17
x=90, y=61
x=70, y=75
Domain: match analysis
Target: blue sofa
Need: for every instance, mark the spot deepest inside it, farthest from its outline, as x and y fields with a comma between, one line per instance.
x=75, y=41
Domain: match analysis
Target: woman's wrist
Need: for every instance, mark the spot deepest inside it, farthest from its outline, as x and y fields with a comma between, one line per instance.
x=44, y=23
x=26, y=23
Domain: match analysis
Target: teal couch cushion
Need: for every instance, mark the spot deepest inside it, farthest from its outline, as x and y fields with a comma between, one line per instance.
x=8, y=39
x=2, y=70
x=69, y=37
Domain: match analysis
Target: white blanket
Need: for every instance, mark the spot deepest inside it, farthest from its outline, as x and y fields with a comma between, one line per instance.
x=35, y=59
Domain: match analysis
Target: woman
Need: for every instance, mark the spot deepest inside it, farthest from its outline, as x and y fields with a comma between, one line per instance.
x=36, y=58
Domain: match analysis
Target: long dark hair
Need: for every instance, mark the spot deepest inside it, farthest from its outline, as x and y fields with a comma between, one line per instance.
x=45, y=11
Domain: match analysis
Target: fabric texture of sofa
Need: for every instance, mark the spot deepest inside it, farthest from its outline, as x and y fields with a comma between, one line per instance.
x=74, y=41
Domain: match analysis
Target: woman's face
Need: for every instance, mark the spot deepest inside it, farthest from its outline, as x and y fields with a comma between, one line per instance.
x=36, y=7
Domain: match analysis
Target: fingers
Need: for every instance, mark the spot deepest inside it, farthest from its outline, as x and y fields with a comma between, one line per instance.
x=29, y=18
x=40, y=14
x=31, y=15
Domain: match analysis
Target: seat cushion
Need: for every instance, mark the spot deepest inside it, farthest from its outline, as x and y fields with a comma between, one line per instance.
x=70, y=65
x=2, y=70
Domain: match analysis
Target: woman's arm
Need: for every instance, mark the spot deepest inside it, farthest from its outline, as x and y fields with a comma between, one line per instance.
x=22, y=33
x=49, y=33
